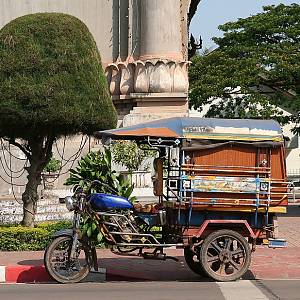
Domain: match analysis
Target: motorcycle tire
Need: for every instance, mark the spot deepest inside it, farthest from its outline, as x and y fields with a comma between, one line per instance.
x=60, y=267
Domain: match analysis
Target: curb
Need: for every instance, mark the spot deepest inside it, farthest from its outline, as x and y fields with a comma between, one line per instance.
x=38, y=274
x=23, y=274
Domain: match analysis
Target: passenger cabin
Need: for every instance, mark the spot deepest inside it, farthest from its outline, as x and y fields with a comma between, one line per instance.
x=215, y=164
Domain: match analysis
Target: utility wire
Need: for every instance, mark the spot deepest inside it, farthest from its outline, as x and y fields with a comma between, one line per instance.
x=81, y=146
x=11, y=178
x=4, y=147
x=10, y=182
x=6, y=163
x=76, y=156
x=7, y=169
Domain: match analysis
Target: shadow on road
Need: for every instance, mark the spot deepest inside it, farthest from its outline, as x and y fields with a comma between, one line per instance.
x=138, y=269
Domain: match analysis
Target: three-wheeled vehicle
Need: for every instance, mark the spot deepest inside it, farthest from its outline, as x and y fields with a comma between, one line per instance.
x=219, y=183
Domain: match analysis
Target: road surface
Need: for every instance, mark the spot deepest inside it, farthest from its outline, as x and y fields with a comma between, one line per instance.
x=240, y=290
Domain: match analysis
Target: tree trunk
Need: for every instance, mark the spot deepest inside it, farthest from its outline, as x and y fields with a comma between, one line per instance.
x=30, y=196
x=40, y=155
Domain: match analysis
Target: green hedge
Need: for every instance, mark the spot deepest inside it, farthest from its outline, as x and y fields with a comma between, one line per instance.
x=18, y=238
x=54, y=226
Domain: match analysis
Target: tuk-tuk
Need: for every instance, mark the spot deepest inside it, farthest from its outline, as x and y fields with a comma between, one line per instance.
x=221, y=183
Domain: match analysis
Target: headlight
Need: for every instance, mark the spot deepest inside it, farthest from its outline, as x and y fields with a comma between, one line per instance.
x=70, y=203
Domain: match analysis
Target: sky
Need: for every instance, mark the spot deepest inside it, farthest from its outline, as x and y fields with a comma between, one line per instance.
x=212, y=13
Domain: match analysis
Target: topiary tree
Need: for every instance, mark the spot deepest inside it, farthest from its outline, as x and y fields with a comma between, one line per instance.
x=51, y=84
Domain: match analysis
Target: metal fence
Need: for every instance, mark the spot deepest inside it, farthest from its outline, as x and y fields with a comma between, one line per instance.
x=293, y=172
x=140, y=179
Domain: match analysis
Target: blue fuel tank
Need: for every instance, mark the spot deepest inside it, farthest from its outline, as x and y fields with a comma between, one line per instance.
x=105, y=202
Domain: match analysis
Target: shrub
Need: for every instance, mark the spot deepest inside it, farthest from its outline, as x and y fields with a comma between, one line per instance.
x=54, y=226
x=19, y=238
x=23, y=238
x=98, y=166
x=51, y=78
x=52, y=166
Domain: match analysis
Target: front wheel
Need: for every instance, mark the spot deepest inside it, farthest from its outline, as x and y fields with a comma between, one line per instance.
x=225, y=255
x=60, y=266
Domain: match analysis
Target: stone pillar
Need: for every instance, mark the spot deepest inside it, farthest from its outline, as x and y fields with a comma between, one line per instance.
x=160, y=30
x=134, y=34
x=152, y=82
x=124, y=23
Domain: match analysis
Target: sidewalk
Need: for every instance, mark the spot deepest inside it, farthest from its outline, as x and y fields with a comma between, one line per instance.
x=266, y=263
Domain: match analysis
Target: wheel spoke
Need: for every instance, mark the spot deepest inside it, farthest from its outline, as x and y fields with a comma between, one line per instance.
x=238, y=251
x=59, y=252
x=59, y=264
x=213, y=259
x=235, y=265
x=228, y=243
x=216, y=246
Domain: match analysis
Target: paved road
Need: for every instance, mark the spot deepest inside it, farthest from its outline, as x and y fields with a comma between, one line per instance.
x=241, y=290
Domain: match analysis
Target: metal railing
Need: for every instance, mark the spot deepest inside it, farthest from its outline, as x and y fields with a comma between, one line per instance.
x=140, y=179
x=293, y=172
x=275, y=190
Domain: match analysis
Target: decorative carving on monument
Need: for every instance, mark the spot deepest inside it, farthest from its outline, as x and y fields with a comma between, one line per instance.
x=180, y=77
x=141, y=78
x=127, y=76
x=160, y=78
x=113, y=77
x=151, y=76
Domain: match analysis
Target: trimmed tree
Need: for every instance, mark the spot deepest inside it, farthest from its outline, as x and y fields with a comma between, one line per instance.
x=51, y=84
x=255, y=68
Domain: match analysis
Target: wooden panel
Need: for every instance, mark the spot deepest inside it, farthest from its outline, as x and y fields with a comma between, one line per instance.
x=278, y=171
x=276, y=164
x=158, y=177
x=241, y=157
x=225, y=156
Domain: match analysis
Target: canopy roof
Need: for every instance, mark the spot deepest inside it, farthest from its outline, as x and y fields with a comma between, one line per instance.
x=200, y=128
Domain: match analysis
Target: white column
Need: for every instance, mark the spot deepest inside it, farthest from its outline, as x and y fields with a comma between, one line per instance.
x=161, y=30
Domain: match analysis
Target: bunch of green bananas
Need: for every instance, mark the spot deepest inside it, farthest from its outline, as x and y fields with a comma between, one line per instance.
x=90, y=228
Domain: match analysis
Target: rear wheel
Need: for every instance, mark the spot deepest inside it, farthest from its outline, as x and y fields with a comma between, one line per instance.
x=225, y=255
x=191, y=256
x=60, y=266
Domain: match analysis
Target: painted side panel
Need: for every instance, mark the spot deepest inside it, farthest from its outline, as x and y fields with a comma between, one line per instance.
x=227, y=175
x=198, y=217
